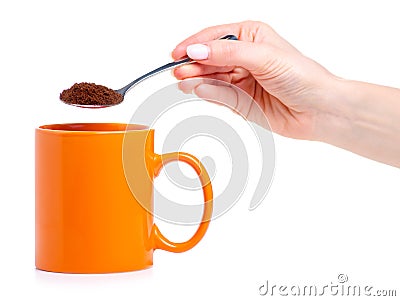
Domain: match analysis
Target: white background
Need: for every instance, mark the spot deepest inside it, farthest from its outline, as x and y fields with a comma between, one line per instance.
x=328, y=211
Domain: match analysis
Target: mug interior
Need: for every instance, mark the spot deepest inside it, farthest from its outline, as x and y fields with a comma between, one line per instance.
x=94, y=127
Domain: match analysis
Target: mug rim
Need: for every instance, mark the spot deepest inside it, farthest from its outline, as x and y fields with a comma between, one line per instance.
x=62, y=128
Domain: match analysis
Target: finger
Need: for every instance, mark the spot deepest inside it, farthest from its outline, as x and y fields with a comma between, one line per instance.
x=197, y=70
x=227, y=95
x=235, y=99
x=251, y=56
x=216, y=78
x=221, y=95
x=208, y=34
x=187, y=85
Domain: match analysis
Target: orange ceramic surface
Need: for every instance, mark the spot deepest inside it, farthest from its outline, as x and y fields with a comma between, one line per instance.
x=87, y=218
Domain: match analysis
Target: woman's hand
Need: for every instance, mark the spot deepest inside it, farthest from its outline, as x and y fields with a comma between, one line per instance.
x=299, y=97
x=288, y=86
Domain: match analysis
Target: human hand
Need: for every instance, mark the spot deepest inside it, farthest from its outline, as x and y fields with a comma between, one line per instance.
x=289, y=87
x=299, y=97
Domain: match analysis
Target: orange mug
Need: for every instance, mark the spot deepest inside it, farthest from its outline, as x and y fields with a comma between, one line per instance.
x=88, y=220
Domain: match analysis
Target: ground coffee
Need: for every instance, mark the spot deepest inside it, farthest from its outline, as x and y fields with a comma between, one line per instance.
x=90, y=94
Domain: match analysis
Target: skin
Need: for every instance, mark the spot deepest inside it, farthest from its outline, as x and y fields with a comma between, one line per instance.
x=300, y=98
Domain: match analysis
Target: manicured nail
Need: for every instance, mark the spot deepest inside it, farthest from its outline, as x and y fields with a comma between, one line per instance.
x=197, y=51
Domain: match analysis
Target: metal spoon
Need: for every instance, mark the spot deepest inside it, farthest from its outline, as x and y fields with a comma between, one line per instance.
x=163, y=68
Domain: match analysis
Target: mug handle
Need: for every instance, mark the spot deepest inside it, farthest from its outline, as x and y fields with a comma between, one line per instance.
x=159, y=240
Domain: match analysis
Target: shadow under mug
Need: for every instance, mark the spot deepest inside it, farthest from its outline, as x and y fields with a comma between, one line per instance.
x=87, y=218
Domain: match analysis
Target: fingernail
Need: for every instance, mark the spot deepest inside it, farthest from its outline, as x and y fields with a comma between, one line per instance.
x=197, y=51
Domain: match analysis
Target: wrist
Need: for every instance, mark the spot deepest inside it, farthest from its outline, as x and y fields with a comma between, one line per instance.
x=362, y=118
x=336, y=112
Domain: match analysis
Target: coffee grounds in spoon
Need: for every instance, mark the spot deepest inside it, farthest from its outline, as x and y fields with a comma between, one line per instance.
x=90, y=94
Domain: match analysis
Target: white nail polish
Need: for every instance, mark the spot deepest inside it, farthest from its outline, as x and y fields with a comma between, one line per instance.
x=197, y=51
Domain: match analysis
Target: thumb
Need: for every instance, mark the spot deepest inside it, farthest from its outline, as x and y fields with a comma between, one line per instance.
x=249, y=55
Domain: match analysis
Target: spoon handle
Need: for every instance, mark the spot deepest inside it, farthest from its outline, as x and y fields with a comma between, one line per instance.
x=165, y=67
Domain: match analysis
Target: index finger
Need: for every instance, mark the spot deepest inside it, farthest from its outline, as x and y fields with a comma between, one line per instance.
x=208, y=34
